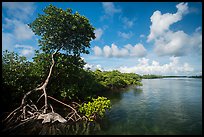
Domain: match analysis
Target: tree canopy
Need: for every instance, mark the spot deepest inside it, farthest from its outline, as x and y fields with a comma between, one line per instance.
x=63, y=30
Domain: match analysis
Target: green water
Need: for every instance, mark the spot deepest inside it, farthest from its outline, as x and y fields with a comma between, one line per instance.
x=160, y=106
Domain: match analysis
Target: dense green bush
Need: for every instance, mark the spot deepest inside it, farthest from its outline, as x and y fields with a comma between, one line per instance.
x=17, y=72
x=18, y=77
x=116, y=80
x=96, y=108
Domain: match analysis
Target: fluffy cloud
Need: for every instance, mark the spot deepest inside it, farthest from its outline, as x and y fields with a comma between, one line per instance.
x=174, y=67
x=98, y=33
x=93, y=67
x=97, y=51
x=107, y=51
x=116, y=52
x=138, y=50
x=178, y=44
x=26, y=50
x=128, y=50
x=161, y=22
x=173, y=43
x=125, y=35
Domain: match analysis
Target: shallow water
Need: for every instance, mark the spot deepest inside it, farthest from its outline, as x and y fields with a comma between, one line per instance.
x=160, y=106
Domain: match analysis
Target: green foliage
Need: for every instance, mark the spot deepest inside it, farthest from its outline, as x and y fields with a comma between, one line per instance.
x=94, y=109
x=62, y=29
x=150, y=76
x=18, y=77
x=17, y=72
x=115, y=79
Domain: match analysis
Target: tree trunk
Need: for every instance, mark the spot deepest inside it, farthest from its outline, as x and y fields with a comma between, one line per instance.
x=43, y=87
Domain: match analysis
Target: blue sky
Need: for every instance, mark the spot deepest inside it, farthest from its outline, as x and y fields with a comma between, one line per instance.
x=162, y=38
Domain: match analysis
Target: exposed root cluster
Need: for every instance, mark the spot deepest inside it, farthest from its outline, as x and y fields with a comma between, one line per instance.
x=28, y=111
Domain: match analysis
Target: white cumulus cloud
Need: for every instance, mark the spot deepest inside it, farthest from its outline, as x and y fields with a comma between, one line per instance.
x=97, y=50
x=174, y=67
x=137, y=50
x=128, y=50
x=173, y=43
x=107, y=51
x=93, y=67
x=161, y=22
x=116, y=52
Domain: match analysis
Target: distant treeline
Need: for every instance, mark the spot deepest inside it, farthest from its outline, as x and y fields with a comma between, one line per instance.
x=195, y=76
x=151, y=76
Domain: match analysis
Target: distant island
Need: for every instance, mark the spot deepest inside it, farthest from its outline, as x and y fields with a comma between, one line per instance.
x=151, y=76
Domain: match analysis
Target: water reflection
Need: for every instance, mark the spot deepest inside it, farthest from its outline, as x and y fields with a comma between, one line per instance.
x=36, y=128
x=137, y=90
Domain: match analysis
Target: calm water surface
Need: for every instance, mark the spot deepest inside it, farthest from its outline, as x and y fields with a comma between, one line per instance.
x=160, y=106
